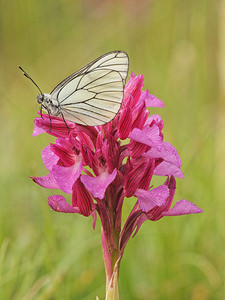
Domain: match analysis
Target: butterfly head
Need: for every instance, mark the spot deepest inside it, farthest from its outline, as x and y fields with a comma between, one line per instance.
x=43, y=98
x=40, y=98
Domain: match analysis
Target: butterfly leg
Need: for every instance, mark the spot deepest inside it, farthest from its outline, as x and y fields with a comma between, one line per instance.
x=50, y=123
x=65, y=123
x=49, y=115
x=40, y=110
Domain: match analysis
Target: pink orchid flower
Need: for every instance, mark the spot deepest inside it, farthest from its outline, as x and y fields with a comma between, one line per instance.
x=100, y=166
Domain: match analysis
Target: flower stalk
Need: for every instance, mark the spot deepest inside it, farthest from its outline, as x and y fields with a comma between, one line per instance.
x=102, y=166
x=112, y=290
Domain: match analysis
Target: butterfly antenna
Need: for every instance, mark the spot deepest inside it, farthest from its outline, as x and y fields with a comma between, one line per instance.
x=28, y=76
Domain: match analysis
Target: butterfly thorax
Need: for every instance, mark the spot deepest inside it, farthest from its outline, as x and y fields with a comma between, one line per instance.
x=46, y=103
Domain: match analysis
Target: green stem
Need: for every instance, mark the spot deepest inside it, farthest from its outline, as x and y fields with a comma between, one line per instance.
x=112, y=291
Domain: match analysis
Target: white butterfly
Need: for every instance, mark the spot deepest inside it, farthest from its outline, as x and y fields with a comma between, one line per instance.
x=91, y=96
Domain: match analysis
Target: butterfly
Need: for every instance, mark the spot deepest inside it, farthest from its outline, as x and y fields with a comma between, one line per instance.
x=91, y=96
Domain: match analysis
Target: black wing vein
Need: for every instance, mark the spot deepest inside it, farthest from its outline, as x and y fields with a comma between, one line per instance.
x=85, y=102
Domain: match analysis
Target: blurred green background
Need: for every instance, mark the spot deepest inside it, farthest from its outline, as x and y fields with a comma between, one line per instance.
x=179, y=47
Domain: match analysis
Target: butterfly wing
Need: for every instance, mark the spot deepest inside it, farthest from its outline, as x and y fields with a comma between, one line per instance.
x=93, y=95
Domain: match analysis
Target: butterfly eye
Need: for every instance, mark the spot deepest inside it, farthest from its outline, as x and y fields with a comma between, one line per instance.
x=40, y=98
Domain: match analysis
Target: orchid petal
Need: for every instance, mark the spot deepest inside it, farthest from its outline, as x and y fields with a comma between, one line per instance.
x=134, y=177
x=153, y=118
x=65, y=150
x=147, y=200
x=148, y=135
x=183, y=207
x=47, y=181
x=49, y=158
x=125, y=122
x=81, y=198
x=151, y=100
x=58, y=203
x=53, y=125
x=132, y=90
x=167, y=169
x=66, y=176
x=98, y=185
x=37, y=130
x=167, y=152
